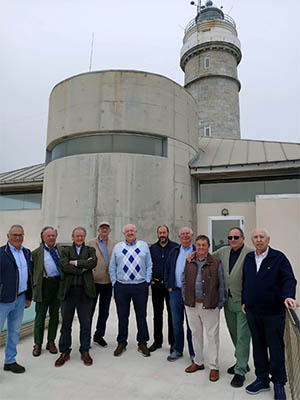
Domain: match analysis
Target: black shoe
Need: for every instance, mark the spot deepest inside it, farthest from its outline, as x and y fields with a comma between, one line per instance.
x=119, y=350
x=100, y=341
x=14, y=367
x=237, y=381
x=142, y=348
x=154, y=347
x=231, y=370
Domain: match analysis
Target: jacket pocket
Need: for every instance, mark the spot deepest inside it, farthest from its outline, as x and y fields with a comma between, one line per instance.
x=1, y=287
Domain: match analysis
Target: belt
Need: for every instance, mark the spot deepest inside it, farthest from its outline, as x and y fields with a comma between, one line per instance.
x=76, y=286
x=52, y=277
x=20, y=294
x=178, y=288
x=199, y=300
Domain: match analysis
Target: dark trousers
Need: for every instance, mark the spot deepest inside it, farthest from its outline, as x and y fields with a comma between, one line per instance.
x=138, y=293
x=50, y=302
x=104, y=292
x=178, y=312
x=77, y=300
x=267, y=338
x=160, y=295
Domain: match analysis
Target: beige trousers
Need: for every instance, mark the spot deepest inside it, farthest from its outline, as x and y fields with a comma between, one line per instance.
x=198, y=318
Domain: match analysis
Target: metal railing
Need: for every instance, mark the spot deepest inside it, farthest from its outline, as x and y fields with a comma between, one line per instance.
x=292, y=352
x=193, y=22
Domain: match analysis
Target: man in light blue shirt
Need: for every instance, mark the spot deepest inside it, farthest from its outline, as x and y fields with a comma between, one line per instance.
x=173, y=281
x=130, y=273
x=15, y=292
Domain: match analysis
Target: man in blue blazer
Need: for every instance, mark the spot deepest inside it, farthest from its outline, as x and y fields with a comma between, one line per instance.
x=173, y=275
x=269, y=286
x=15, y=292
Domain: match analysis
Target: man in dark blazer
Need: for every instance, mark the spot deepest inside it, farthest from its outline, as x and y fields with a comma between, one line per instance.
x=15, y=292
x=76, y=291
x=269, y=286
x=46, y=277
x=174, y=268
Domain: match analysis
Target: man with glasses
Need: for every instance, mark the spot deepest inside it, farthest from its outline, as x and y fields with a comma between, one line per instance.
x=15, y=292
x=232, y=258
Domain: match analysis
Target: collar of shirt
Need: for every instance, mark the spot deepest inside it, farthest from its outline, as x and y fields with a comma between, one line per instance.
x=13, y=249
x=78, y=249
x=259, y=258
x=232, y=251
x=130, y=244
x=186, y=249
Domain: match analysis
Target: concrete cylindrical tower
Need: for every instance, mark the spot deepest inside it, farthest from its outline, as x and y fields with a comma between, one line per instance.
x=209, y=57
x=118, y=148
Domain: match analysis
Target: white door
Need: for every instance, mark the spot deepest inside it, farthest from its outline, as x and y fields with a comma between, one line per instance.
x=218, y=228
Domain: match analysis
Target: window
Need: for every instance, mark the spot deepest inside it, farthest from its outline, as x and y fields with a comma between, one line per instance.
x=219, y=192
x=207, y=62
x=207, y=130
x=20, y=201
x=110, y=143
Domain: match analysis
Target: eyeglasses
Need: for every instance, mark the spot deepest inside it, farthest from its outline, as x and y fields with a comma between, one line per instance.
x=233, y=237
x=15, y=235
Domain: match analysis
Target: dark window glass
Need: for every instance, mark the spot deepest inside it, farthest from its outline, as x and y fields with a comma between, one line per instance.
x=109, y=143
x=20, y=201
x=245, y=191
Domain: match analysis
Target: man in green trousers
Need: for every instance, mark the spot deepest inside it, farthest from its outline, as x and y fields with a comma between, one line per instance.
x=46, y=277
x=232, y=258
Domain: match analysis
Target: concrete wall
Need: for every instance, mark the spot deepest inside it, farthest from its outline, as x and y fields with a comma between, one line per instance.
x=280, y=215
x=30, y=220
x=119, y=187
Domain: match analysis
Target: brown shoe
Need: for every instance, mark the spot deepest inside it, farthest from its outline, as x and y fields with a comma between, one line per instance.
x=86, y=358
x=14, y=367
x=52, y=348
x=37, y=349
x=214, y=375
x=194, y=367
x=64, y=357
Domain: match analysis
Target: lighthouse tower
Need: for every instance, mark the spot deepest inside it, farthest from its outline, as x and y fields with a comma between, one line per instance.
x=209, y=58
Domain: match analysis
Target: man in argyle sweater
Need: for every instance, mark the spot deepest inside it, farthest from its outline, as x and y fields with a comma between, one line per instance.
x=130, y=271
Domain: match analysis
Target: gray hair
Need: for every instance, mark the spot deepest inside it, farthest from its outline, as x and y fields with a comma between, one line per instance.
x=186, y=227
x=78, y=228
x=15, y=226
x=260, y=229
x=127, y=225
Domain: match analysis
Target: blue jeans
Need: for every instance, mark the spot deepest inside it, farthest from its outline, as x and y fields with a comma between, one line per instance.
x=178, y=311
x=13, y=313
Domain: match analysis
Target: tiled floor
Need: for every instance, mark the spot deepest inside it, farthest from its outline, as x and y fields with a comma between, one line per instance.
x=128, y=377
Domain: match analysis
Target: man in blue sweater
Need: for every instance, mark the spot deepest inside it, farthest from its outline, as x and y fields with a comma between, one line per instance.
x=130, y=272
x=269, y=286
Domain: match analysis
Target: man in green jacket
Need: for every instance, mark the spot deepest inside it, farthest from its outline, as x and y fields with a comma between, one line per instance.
x=76, y=291
x=232, y=258
x=46, y=277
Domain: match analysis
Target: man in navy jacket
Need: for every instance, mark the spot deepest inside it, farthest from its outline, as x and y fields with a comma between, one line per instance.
x=159, y=253
x=15, y=292
x=174, y=268
x=269, y=286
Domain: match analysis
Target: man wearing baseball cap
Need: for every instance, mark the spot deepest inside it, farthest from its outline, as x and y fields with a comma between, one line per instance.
x=104, y=247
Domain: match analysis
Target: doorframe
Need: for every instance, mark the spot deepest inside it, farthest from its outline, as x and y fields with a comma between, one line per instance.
x=239, y=218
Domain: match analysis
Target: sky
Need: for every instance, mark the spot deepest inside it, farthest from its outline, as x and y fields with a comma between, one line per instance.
x=45, y=42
